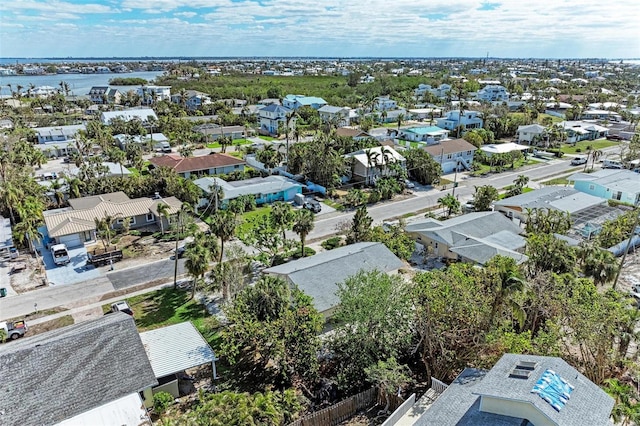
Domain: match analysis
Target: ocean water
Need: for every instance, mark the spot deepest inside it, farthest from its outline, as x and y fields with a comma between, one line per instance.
x=79, y=84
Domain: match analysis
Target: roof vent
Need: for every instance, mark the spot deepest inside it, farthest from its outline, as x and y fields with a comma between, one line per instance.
x=523, y=369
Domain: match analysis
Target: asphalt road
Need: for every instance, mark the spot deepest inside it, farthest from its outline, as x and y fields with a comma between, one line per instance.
x=161, y=270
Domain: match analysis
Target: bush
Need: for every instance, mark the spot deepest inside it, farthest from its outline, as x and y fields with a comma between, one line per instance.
x=308, y=251
x=135, y=233
x=578, y=150
x=331, y=243
x=374, y=197
x=162, y=401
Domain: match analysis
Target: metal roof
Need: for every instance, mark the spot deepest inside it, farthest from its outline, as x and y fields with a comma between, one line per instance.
x=176, y=348
x=552, y=197
x=253, y=186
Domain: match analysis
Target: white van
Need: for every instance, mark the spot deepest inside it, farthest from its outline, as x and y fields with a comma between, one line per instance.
x=162, y=147
x=60, y=254
x=612, y=164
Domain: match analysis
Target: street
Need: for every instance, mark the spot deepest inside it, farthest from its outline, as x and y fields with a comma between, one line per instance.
x=156, y=271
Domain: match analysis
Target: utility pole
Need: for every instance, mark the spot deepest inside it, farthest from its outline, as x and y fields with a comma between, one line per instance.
x=626, y=250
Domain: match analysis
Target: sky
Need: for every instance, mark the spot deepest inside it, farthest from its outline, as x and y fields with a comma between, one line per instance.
x=320, y=28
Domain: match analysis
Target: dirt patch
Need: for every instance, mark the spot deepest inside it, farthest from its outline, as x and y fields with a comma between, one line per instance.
x=40, y=314
x=31, y=277
x=87, y=314
x=50, y=325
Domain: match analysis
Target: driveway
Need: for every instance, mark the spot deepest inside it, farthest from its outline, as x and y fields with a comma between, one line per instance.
x=74, y=272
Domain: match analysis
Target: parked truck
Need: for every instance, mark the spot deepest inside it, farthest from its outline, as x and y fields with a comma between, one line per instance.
x=121, y=306
x=98, y=258
x=14, y=329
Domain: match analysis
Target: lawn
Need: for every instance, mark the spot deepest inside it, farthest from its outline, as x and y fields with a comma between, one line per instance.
x=249, y=220
x=524, y=191
x=235, y=143
x=583, y=146
x=267, y=138
x=556, y=181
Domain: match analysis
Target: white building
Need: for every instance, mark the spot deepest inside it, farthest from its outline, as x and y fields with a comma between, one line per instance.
x=151, y=94
x=468, y=120
x=492, y=93
x=384, y=103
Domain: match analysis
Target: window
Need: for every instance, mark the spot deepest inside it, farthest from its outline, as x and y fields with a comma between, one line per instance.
x=592, y=187
x=449, y=156
x=468, y=152
x=150, y=217
x=132, y=221
x=617, y=195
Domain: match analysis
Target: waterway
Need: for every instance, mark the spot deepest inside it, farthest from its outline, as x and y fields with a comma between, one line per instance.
x=79, y=84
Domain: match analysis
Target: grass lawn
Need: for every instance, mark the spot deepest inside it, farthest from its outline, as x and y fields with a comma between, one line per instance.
x=524, y=191
x=50, y=325
x=556, y=181
x=582, y=146
x=249, y=220
x=334, y=204
x=235, y=142
x=267, y=138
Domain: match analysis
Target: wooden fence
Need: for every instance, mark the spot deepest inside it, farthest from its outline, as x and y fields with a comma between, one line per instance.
x=343, y=410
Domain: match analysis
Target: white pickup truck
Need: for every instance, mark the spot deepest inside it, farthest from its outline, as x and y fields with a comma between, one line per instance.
x=13, y=329
x=60, y=254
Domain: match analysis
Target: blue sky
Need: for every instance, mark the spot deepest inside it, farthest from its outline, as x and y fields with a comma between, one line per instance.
x=342, y=28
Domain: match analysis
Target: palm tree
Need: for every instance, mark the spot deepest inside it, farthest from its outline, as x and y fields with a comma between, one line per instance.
x=449, y=202
x=595, y=156
x=118, y=156
x=223, y=225
x=303, y=224
x=400, y=120
x=181, y=223
x=197, y=264
x=506, y=280
x=58, y=195
x=521, y=181
x=372, y=163
x=163, y=211
x=104, y=228
x=281, y=216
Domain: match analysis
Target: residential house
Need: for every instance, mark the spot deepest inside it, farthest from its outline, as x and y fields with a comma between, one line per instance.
x=55, y=134
x=452, y=155
x=600, y=114
x=319, y=275
x=467, y=120
x=297, y=101
x=493, y=93
x=340, y=116
x=610, y=184
x=531, y=133
x=559, y=198
x=273, y=117
x=520, y=390
x=427, y=134
x=557, y=109
x=76, y=225
x=171, y=350
x=102, y=95
x=265, y=189
x=152, y=94
x=372, y=163
x=473, y=237
x=212, y=164
x=213, y=132
x=351, y=132
x=142, y=114
x=151, y=139
x=503, y=148
x=93, y=372
x=6, y=123
x=192, y=99
x=422, y=114
x=577, y=131
x=384, y=103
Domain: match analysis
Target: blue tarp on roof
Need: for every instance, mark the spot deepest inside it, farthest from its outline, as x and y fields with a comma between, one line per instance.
x=553, y=389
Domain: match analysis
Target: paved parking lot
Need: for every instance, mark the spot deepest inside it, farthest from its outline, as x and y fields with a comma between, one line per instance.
x=74, y=272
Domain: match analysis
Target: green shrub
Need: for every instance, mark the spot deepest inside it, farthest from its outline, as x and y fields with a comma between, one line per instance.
x=331, y=243
x=308, y=251
x=135, y=233
x=162, y=401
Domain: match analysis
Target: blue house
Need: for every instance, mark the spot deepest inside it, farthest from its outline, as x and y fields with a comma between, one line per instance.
x=266, y=190
x=297, y=101
x=621, y=185
x=428, y=134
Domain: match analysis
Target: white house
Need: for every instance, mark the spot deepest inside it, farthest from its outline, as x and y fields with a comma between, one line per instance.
x=452, y=154
x=272, y=115
x=530, y=133
x=152, y=94
x=582, y=130
x=192, y=99
x=468, y=120
x=492, y=93
x=341, y=116
x=371, y=163
x=297, y=101
x=142, y=114
x=384, y=103
x=58, y=133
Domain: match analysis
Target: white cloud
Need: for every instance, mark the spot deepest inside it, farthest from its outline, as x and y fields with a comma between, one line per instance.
x=185, y=14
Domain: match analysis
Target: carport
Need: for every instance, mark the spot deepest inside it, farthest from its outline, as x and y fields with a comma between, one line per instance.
x=74, y=272
x=171, y=350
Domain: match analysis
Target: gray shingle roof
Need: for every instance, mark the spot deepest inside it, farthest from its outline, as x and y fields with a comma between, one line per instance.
x=460, y=403
x=319, y=275
x=56, y=375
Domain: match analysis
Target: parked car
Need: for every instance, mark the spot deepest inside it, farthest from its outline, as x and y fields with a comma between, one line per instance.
x=14, y=329
x=60, y=254
x=312, y=205
x=409, y=184
x=121, y=306
x=615, y=138
x=578, y=161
